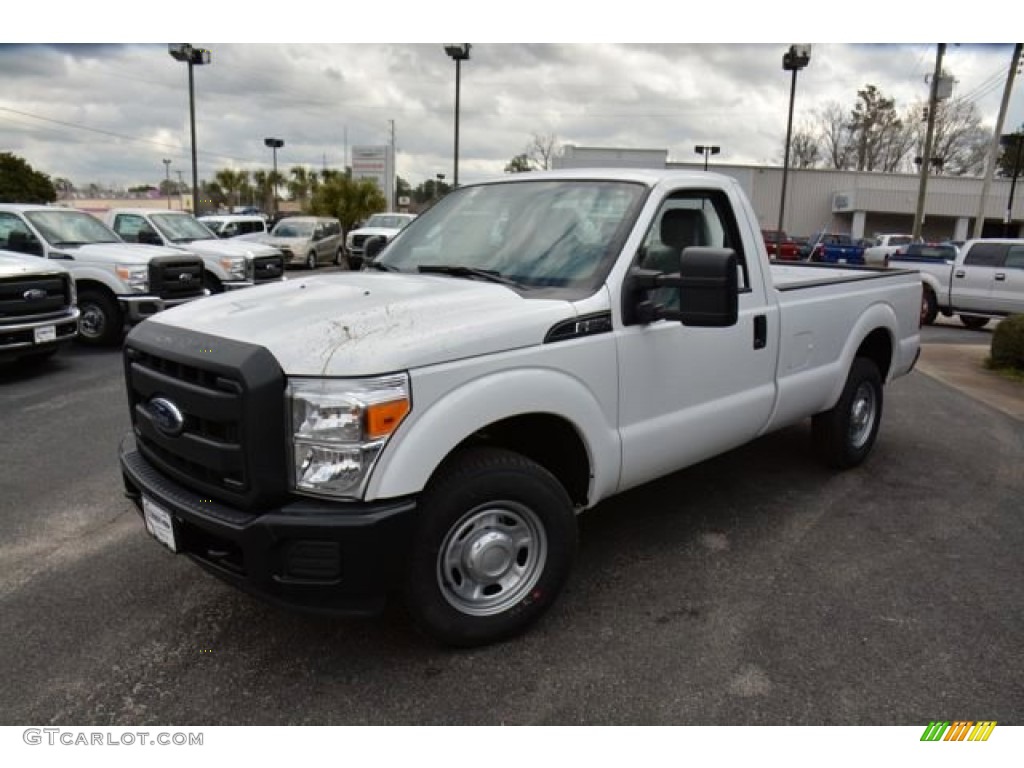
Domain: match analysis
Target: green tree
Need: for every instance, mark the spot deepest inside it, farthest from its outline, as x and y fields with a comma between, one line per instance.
x=348, y=200
x=301, y=185
x=21, y=183
x=1011, y=155
x=518, y=164
x=877, y=130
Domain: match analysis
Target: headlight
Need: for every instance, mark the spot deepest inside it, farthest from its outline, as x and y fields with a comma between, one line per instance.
x=136, y=276
x=235, y=267
x=339, y=427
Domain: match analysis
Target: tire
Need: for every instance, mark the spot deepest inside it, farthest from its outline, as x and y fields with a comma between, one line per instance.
x=341, y=259
x=494, y=546
x=311, y=260
x=929, y=307
x=974, y=322
x=101, y=323
x=844, y=435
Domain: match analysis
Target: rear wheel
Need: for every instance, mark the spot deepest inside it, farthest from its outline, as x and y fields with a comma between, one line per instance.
x=311, y=260
x=494, y=547
x=974, y=322
x=101, y=323
x=845, y=434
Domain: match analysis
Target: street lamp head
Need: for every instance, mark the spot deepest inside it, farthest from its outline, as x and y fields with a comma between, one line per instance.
x=709, y=149
x=458, y=51
x=274, y=143
x=186, y=53
x=797, y=57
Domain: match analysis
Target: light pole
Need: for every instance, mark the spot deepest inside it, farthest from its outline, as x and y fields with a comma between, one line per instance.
x=459, y=52
x=167, y=182
x=1012, y=142
x=706, y=150
x=796, y=58
x=274, y=144
x=193, y=57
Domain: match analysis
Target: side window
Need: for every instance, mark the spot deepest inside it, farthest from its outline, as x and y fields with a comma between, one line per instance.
x=16, y=236
x=1015, y=257
x=130, y=227
x=692, y=219
x=985, y=255
x=230, y=229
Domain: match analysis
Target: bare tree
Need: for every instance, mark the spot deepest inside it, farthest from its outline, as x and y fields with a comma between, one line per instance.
x=834, y=137
x=541, y=151
x=960, y=140
x=804, y=151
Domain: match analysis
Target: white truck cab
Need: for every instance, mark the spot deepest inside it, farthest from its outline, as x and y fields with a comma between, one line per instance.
x=527, y=348
x=119, y=284
x=227, y=264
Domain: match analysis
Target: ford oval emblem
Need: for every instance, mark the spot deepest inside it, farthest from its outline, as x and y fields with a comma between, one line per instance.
x=166, y=416
x=34, y=294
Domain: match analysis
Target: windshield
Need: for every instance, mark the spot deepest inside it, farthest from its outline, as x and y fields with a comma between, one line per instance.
x=180, y=228
x=293, y=229
x=71, y=228
x=386, y=221
x=536, y=233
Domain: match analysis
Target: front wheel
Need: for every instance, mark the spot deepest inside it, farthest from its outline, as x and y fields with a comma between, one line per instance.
x=845, y=434
x=100, y=323
x=341, y=259
x=494, y=547
x=929, y=307
x=311, y=260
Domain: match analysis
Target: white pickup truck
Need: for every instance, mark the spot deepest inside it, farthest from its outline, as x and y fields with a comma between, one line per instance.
x=38, y=312
x=884, y=247
x=119, y=284
x=227, y=264
x=526, y=349
x=981, y=280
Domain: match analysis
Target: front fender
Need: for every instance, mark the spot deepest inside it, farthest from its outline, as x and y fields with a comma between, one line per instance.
x=427, y=437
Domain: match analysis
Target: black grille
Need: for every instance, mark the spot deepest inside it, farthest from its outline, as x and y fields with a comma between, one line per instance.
x=231, y=444
x=38, y=297
x=267, y=268
x=176, y=277
x=359, y=240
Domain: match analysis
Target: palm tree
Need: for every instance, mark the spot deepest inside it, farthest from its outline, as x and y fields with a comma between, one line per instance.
x=300, y=185
x=348, y=200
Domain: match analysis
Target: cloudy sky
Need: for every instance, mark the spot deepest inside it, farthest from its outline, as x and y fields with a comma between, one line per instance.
x=110, y=113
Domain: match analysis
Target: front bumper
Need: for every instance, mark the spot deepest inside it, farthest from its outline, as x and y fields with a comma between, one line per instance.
x=138, y=308
x=320, y=556
x=20, y=338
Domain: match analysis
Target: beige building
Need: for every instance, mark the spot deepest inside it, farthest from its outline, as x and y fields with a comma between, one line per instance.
x=858, y=203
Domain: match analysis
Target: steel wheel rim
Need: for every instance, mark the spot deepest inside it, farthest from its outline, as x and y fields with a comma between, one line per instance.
x=92, y=321
x=492, y=558
x=863, y=411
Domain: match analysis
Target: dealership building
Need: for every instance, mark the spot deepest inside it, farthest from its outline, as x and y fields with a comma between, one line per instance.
x=858, y=203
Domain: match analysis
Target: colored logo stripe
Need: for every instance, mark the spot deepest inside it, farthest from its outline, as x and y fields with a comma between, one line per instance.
x=960, y=730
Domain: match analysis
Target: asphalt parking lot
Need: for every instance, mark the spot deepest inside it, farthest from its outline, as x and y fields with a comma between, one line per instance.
x=756, y=588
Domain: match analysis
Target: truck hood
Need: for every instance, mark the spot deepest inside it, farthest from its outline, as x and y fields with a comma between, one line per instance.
x=13, y=265
x=366, y=323
x=374, y=231
x=226, y=249
x=119, y=253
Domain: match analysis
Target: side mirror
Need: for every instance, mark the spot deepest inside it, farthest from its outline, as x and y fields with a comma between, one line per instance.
x=708, y=287
x=149, y=237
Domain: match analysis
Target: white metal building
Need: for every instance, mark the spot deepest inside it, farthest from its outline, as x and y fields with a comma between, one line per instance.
x=858, y=203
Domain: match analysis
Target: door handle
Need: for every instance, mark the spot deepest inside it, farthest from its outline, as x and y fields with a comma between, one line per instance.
x=1000, y=275
x=760, y=331
x=959, y=273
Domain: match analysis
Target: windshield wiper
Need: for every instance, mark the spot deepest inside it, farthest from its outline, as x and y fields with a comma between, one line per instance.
x=458, y=270
x=380, y=266
x=73, y=243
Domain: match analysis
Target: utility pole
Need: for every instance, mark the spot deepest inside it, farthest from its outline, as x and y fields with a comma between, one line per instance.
x=392, y=175
x=990, y=164
x=929, y=136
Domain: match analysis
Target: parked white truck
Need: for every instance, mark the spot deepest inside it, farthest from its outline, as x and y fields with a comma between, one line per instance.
x=38, y=312
x=119, y=284
x=526, y=349
x=981, y=280
x=227, y=264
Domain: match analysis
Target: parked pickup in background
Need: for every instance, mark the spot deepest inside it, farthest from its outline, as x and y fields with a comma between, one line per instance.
x=526, y=348
x=37, y=306
x=983, y=279
x=227, y=264
x=835, y=248
x=780, y=245
x=119, y=284
x=883, y=247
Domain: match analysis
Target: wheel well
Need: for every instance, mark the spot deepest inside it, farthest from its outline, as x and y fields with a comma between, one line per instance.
x=94, y=285
x=549, y=440
x=877, y=347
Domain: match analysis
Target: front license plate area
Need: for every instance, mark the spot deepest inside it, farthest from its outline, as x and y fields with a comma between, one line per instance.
x=46, y=333
x=159, y=523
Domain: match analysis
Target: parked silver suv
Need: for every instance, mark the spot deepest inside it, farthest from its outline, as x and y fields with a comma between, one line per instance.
x=309, y=240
